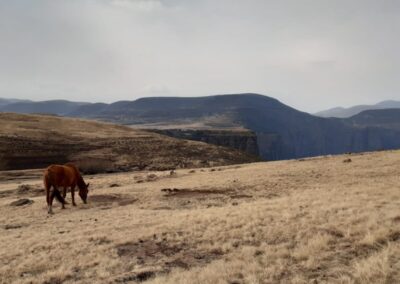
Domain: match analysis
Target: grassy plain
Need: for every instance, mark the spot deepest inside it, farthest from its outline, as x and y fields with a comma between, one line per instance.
x=319, y=220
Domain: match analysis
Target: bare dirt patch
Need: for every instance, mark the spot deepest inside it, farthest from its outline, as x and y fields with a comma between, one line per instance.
x=109, y=199
x=165, y=254
x=185, y=192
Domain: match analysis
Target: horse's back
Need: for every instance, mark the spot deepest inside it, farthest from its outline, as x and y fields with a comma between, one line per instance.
x=59, y=175
x=74, y=168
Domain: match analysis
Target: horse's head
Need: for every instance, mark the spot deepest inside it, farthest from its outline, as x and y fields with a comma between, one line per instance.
x=83, y=192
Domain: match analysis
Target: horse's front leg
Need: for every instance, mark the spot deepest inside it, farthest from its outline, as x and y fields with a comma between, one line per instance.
x=64, y=192
x=73, y=195
x=59, y=197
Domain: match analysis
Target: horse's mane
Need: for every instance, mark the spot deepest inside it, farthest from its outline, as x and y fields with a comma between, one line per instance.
x=81, y=183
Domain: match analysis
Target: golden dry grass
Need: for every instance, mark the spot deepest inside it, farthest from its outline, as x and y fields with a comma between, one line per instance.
x=314, y=221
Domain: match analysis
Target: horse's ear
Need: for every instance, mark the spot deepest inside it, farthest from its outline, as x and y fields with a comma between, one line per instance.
x=87, y=185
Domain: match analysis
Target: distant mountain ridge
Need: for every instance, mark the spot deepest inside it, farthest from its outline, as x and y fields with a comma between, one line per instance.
x=341, y=112
x=58, y=107
x=4, y=101
x=381, y=118
x=282, y=132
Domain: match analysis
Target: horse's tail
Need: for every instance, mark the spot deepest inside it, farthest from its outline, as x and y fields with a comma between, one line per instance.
x=59, y=197
x=47, y=185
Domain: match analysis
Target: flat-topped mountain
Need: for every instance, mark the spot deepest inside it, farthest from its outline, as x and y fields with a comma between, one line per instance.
x=35, y=141
x=281, y=132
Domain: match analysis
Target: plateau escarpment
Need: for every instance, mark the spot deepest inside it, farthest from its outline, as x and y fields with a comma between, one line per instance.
x=242, y=140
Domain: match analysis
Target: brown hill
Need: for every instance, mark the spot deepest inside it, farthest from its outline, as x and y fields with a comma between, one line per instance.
x=35, y=141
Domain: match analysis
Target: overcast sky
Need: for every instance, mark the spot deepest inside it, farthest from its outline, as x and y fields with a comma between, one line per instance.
x=310, y=54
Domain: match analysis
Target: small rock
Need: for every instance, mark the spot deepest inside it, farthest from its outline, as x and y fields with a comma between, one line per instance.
x=114, y=185
x=347, y=160
x=21, y=202
x=12, y=226
x=235, y=282
x=23, y=188
x=151, y=177
x=25, y=274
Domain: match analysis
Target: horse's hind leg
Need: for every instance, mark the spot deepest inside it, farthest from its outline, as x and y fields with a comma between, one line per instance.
x=64, y=192
x=50, y=200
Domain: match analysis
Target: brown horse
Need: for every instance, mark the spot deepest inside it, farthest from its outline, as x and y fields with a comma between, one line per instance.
x=63, y=176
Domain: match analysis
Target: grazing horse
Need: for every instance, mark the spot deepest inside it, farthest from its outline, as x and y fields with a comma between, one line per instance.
x=65, y=176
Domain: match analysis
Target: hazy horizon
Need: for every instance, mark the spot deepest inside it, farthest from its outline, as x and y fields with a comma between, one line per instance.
x=310, y=55
x=314, y=112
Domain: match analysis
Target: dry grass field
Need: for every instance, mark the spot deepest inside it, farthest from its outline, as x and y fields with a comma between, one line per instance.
x=320, y=220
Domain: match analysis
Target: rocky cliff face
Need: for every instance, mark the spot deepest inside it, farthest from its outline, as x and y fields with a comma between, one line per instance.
x=281, y=146
x=242, y=140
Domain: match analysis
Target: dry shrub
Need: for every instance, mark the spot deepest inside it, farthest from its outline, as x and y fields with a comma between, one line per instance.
x=373, y=269
x=312, y=247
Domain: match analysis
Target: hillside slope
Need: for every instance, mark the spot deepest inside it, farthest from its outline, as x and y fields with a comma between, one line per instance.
x=34, y=141
x=319, y=220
